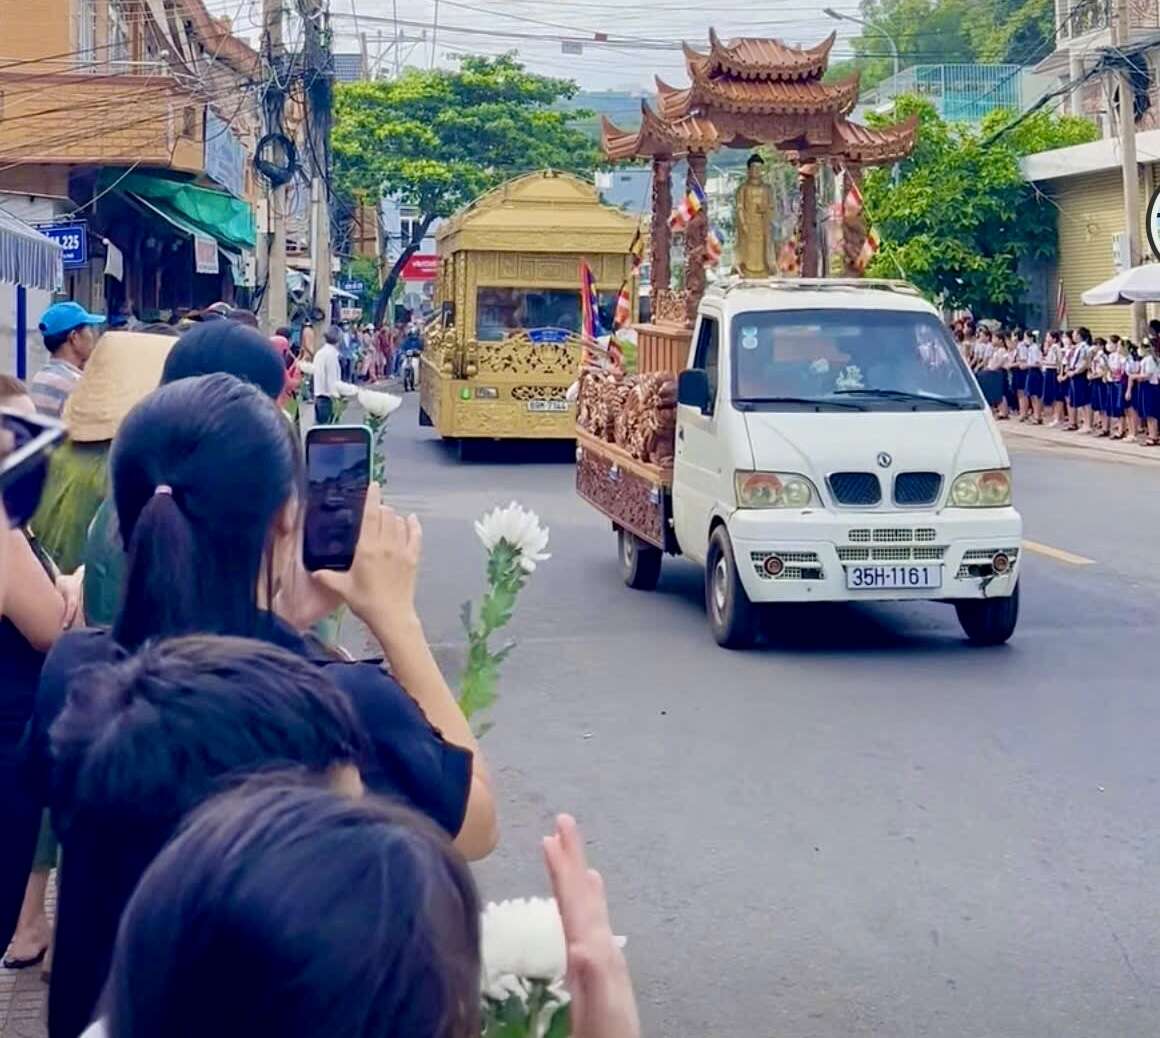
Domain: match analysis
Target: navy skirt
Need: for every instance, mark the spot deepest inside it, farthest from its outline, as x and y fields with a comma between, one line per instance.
x=1098, y=395
x=1146, y=404
x=1050, y=387
x=1034, y=383
x=1114, y=399
x=1078, y=394
x=1019, y=380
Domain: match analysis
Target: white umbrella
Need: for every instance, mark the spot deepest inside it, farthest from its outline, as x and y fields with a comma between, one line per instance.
x=1137, y=285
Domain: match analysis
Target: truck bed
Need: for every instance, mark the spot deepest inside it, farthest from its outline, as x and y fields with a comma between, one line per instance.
x=634, y=494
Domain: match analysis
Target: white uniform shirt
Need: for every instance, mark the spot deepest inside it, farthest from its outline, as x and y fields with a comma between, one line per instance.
x=327, y=372
x=1150, y=366
x=1116, y=365
x=997, y=359
x=1034, y=354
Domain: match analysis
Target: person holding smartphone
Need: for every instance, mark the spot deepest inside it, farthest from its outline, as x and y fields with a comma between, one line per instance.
x=205, y=477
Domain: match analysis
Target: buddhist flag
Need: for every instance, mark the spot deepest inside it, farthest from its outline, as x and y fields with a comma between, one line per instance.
x=589, y=303
x=691, y=205
x=636, y=251
x=623, y=307
x=854, y=203
x=713, y=247
x=869, y=248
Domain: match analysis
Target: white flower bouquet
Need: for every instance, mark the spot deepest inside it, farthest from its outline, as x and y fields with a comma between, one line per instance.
x=524, y=962
x=515, y=543
x=378, y=407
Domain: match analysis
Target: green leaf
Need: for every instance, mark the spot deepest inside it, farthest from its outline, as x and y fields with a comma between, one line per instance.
x=561, y=1026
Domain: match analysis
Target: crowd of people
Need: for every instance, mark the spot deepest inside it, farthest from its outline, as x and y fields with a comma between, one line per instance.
x=1107, y=387
x=257, y=834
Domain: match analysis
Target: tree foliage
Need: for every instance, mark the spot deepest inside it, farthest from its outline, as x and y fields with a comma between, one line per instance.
x=961, y=217
x=436, y=139
x=936, y=32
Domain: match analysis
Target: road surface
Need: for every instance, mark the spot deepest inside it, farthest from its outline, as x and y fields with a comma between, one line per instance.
x=865, y=828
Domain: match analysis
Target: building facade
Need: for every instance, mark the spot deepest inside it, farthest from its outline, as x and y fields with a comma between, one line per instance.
x=132, y=123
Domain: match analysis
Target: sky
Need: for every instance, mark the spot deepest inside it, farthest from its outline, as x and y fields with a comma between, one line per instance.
x=643, y=35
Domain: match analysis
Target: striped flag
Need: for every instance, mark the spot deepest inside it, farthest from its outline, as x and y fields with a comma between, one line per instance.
x=691, y=205
x=1060, y=306
x=589, y=303
x=623, y=307
x=713, y=247
x=869, y=248
x=854, y=203
x=636, y=251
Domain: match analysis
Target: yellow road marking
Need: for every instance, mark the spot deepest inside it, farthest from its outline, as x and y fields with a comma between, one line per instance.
x=1058, y=554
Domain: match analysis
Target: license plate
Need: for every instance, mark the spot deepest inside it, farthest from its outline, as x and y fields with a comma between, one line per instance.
x=890, y=578
x=548, y=405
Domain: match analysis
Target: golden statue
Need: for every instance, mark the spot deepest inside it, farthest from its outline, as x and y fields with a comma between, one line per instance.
x=753, y=212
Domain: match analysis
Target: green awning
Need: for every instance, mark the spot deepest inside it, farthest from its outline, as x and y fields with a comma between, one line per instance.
x=213, y=214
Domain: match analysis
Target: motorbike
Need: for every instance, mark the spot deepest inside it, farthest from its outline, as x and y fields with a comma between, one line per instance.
x=410, y=370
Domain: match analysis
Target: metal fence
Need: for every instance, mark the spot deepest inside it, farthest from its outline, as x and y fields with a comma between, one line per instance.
x=961, y=93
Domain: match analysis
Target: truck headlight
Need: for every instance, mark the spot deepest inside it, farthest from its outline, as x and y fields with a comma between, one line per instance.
x=990, y=488
x=774, y=490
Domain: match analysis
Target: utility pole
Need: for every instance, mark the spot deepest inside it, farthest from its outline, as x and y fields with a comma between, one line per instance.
x=1131, y=171
x=272, y=260
x=319, y=72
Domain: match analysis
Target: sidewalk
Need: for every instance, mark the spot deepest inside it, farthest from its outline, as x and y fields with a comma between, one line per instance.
x=1098, y=448
x=23, y=994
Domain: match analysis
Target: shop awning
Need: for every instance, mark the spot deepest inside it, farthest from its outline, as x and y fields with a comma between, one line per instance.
x=28, y=257
x=196, y=210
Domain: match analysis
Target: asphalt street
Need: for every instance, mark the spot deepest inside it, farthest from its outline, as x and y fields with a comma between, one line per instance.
x=864, y=828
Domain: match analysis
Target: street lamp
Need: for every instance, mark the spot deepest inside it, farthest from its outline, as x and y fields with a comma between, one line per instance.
x=838, y=16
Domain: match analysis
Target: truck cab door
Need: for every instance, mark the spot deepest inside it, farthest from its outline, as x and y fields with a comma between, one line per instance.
x=697, y=471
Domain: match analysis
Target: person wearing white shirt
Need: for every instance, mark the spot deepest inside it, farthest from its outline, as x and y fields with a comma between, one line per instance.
x=327, y=375
x=1149, y=405
x=1034, y=380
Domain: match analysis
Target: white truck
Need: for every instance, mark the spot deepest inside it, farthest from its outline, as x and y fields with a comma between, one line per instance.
x=831, y=446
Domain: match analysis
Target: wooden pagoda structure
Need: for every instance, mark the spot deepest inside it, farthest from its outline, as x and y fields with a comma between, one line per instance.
x=745, y=93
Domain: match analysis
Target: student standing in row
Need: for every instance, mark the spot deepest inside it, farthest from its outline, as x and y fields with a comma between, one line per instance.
x=1034, y=383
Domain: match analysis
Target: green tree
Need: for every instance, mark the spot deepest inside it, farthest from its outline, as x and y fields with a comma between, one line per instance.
x=961, y=217
x=366, y=270
x=438, y=139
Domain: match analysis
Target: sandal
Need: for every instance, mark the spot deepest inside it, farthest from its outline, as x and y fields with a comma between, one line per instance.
x=24, y=964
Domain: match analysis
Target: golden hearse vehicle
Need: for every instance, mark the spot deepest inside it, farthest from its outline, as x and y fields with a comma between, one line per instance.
x=505, y=343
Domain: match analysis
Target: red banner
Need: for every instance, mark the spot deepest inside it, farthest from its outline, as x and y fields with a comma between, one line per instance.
x=422, y=266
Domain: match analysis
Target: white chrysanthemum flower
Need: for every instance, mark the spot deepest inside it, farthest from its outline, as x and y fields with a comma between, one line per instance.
x=378, y=404
x=522, y=938
x=520, y=528
x=347, y=389
x=306, y=367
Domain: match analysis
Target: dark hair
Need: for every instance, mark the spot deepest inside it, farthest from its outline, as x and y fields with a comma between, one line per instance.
x=285, y=331
x=142, y=742
x=243, y=316
x=217, y=346
x=333, y=335
x=54, y=342
x=306, y=913
x=225, y=461
x=1084, y=334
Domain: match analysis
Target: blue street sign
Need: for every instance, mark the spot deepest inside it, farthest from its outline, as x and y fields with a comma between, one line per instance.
x=73, y=240
x=355, y=288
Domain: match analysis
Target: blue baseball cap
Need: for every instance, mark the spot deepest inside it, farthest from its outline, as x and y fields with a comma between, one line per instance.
x=61, y=318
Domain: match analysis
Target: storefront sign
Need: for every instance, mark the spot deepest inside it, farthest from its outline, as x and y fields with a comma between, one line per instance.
x=205, y=255
x=225, y=158
x=353, y=286
x=422, y=266
x=73, y=240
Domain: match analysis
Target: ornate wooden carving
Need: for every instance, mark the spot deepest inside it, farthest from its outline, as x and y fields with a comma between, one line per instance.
x=630, y=499
x=670, y=306
x=808, y=222
x=696, y=235
x=662, y=205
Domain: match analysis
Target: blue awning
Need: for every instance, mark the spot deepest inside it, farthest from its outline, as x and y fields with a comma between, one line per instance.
x=27, y=257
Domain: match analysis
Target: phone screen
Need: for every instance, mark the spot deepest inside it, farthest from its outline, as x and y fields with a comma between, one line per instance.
x=338, y=472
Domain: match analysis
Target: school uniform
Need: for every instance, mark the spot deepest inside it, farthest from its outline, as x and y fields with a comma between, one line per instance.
x=1148, y=405
x=1115, y=365
x=1079, y=391
x=1051, y=374
x=1132, y=367
x=1097, y=367
x=1019, y=367
x=1033, y=376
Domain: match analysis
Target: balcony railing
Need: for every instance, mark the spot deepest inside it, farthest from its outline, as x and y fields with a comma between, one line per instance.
x=1083, y=17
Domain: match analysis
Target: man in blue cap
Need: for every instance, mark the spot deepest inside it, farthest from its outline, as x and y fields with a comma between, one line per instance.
x=69, y=336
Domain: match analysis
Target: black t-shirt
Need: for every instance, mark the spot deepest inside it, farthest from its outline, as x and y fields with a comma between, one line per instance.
x=408, y=759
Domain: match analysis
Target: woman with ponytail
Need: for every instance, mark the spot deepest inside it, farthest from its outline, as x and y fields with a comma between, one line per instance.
x=205, y=477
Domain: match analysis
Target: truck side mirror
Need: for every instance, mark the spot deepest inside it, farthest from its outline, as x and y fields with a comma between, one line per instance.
x=693, y=389
x=992, y=383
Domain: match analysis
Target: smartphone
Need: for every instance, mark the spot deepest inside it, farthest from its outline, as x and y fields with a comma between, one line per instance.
x=338, y=472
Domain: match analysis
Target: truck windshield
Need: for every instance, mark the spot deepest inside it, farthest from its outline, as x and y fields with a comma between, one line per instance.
x=886, y=360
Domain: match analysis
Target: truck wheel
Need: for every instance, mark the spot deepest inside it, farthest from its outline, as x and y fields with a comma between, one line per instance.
x=640, y=563
x=732, y=617
x=989, y=621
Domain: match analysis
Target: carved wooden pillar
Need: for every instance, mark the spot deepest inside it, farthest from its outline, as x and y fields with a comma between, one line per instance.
x=853, y=220
x=808, y=229
x=661, y=236
x=696, y=237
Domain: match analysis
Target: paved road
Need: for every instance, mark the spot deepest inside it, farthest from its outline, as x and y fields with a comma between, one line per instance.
x=866, y=828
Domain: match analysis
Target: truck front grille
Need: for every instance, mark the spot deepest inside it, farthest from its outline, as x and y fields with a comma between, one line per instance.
x=855, y=489
x=799, y=565
x=917, y=488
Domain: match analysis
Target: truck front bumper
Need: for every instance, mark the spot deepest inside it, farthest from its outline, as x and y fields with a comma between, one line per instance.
x=817, y=548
